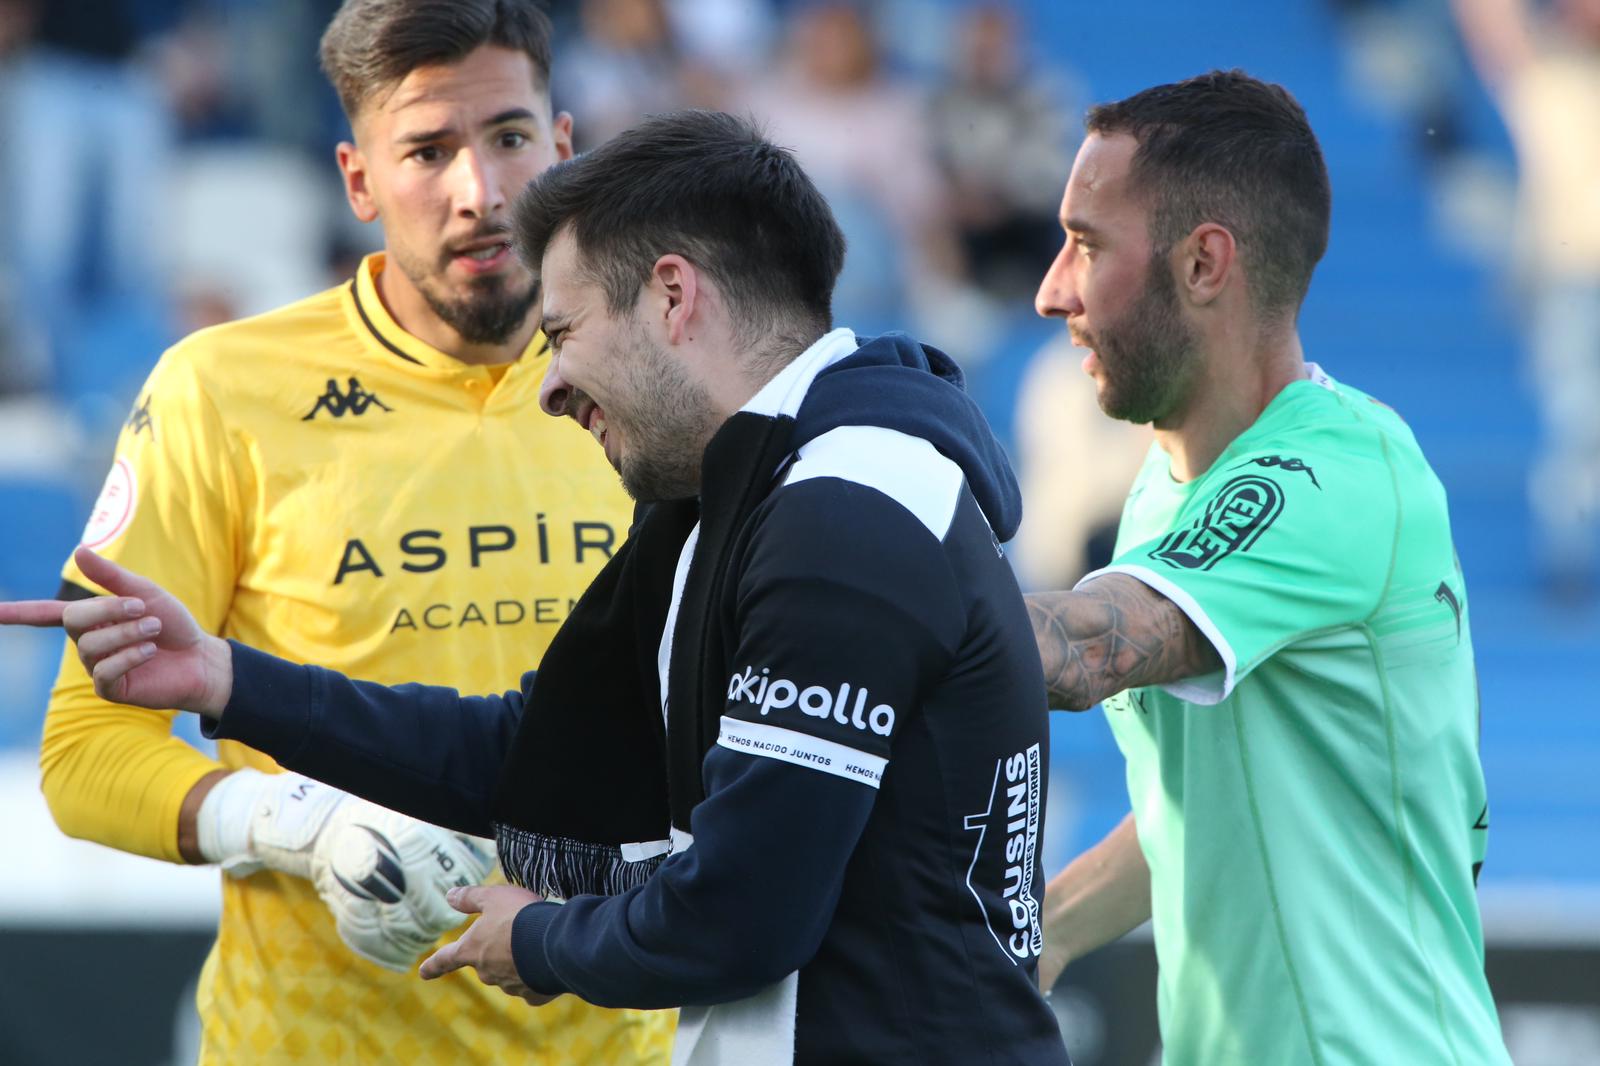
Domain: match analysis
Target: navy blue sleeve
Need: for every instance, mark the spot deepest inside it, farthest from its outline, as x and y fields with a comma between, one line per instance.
x=846, y=610
x=422, y=750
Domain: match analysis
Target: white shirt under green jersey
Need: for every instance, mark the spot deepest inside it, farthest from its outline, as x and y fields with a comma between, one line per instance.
x=1314, y=813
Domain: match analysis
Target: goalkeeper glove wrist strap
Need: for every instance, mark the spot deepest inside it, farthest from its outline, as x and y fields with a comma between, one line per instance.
x=224, y=821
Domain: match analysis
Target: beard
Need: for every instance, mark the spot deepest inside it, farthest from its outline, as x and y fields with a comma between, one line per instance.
x=1148, y=356
x=668, y=427
x=493, y=310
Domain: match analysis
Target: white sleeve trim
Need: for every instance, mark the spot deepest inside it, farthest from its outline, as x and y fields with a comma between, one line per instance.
x=1202, y=690
x=802, y=749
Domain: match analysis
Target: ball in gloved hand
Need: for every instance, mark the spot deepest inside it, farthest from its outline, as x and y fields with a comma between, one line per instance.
x=384, y=877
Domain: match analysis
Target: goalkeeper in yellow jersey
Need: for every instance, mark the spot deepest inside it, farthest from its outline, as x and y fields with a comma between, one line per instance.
x=362, y=480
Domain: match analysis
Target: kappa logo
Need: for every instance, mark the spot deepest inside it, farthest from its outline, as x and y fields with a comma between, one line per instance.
x=1296, y=466
x=776, y=694
x=139, y=418
x=1234, y=520
x=356, y=401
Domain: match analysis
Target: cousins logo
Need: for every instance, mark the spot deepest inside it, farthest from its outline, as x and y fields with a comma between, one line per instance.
x=1233, y=521
x=1017, y=823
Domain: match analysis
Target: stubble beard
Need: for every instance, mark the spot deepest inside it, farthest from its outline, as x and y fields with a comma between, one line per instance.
x=1148, y=357
x=667, y=435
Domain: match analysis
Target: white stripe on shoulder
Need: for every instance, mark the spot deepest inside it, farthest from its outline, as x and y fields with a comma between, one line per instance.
x=907, y=469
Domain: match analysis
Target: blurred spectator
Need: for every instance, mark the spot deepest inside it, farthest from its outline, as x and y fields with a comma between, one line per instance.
x=201, y=79
x=21, y=361
x=277, y=203
x=862, y=136
x=1000, y=138
x=1076, y=466
x=274, y=82
x=626, y=64
x=1406, y=59
x=1545, y=74
x=16, y=25
x=81, y=97
x=728, y=36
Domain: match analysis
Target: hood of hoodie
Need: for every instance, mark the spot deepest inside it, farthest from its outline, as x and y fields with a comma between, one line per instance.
x=894, y=382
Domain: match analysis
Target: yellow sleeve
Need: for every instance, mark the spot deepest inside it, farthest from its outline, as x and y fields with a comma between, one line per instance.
x=170, y=510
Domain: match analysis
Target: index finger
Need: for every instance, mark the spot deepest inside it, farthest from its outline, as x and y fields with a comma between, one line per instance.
x=32, y=612
x=441, y=962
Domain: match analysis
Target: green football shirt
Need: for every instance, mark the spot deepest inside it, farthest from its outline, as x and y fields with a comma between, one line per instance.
x=1314, y=813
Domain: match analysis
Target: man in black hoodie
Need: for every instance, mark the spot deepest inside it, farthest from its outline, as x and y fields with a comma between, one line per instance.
x=841, y=862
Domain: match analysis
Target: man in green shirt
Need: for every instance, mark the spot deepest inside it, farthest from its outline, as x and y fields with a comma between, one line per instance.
x=1282, y=640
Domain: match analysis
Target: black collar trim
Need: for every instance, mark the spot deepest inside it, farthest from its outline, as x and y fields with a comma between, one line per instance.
x=355, y=293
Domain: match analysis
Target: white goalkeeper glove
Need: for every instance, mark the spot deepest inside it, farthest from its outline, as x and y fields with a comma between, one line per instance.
x=382, y=875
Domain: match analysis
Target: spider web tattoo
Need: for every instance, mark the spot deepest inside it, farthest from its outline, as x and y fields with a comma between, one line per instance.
x=1114, y=633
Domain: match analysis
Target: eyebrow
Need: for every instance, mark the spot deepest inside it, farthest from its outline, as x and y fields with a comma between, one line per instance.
x=513, y=114
x=1078, y=225
x=551, y=322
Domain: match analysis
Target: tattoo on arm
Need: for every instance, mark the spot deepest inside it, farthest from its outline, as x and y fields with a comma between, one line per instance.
x=1114, y=633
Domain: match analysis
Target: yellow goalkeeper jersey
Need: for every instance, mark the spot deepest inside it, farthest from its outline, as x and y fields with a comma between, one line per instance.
x=320, y=484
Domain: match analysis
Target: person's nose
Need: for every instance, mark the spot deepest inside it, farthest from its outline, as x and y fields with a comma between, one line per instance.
x=473, y=186
x=554, y=391
x=1058, y=292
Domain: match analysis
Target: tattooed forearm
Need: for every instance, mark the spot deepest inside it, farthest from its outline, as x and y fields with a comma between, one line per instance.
x=1114, y=633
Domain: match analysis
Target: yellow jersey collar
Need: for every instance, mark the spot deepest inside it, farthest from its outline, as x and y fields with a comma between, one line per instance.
x=381, y=328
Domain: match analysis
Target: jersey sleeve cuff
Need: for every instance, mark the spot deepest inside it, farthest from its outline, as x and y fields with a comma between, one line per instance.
x=528, y=930
x=1207, y=689
x=270, y=705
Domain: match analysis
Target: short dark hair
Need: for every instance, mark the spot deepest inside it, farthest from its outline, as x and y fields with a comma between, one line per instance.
x=709, y=187
x=1228, y=148
x=372, y=45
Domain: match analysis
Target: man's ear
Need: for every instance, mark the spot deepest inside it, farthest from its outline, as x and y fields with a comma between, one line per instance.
x=353, y=169
x=675, y=286
x=561, y=135
x=1208, y=260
